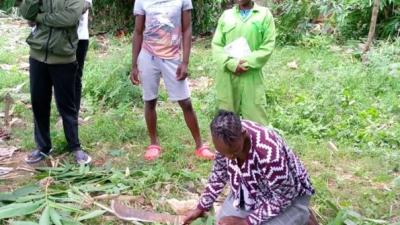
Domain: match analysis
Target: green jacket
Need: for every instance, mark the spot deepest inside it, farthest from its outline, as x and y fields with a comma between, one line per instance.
x=54, y=40
x=244, y=94
x=258, y=30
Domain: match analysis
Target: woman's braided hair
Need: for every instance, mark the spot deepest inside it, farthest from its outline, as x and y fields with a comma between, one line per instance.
x=226, y=125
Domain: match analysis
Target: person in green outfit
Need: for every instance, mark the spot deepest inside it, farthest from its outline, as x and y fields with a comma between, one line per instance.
x=239, y=81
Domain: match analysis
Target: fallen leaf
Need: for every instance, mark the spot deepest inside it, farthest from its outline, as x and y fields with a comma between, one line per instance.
x=4, y=135
x=19, y=87
x=24, y=66
x=293, y=65
x=5, y=67
x=332, y=146
x=127, y=172
x=200, y=84
x=349, y=51
x=8, y=151
x=45, y=182
x=5, y=170
x=335, y=48
x=183, y=206
x=17, y=123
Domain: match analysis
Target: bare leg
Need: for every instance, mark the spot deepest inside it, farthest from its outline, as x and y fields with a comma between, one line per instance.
x=191, y=120
x=150, y=115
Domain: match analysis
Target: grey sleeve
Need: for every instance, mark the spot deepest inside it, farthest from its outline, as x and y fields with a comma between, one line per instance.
x=187, y=5
x=138, y=8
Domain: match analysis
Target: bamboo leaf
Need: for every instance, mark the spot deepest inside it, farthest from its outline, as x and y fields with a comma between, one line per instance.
x=23, y=223
x=66, y=207
x=82, y=168
x=45, y=218
x=20, y=209
x=7, y=197
x=30, y=198
x=55, y=217
x=376, y=221
x=70, y=222
x=26, y=190
x=19, y=193
x=92, y=215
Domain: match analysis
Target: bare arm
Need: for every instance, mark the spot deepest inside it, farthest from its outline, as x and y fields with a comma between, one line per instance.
x=182, y=71
x=137, y=40
x=187, y=35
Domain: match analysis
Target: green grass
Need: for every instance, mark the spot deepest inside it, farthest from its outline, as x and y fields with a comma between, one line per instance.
x=331, y=97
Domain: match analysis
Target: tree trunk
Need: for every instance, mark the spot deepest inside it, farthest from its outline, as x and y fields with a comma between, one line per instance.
x=372, y=27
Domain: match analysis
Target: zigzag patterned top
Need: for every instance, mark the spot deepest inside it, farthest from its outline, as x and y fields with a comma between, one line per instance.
x=272, y=174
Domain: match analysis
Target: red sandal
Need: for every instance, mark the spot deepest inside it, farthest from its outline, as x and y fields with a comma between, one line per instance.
x=152, y=152
x=204, y=152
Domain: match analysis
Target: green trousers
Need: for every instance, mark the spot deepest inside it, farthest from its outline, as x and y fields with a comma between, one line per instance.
x=243, y=94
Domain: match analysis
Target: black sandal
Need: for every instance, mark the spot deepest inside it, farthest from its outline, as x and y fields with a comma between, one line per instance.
x=36, y=156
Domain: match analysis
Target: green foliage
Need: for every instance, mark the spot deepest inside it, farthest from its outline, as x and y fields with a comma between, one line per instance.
x=6, y=5
x=344, y=19
x=358, y=17
x=336, y=101
x=108, y=82
x=297, y=18
x=62, y=199
x=206, y=14
x=112, y=15
x=91, y=215
x=19, y=209
x=350, y=217
x=330, y=97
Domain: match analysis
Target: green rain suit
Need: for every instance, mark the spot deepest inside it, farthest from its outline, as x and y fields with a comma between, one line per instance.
x=244, y=94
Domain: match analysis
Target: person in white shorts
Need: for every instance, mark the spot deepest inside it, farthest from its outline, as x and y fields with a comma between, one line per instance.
x=83, y=45
x=161, y=28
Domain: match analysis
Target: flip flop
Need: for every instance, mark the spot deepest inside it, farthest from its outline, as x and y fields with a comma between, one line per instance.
x=36, y=156
x=204, y=152
x=152, y=152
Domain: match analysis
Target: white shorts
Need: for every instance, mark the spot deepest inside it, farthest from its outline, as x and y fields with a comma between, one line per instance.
x=152, y=68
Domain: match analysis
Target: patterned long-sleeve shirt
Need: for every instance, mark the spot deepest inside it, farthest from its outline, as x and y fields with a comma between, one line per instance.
x=272, y=175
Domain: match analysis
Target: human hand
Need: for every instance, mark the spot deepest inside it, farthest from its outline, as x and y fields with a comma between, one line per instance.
x=192, y=215
x=135, y=76
x=182, y=72
x=241, y=68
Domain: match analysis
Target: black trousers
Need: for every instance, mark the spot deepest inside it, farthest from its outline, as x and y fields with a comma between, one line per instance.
x=80, y=58
x=43, y=77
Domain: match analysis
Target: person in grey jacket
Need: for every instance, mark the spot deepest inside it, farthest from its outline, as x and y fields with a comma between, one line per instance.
x=53, y=43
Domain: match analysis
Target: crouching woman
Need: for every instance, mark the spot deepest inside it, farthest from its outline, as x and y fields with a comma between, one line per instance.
x=268, y=183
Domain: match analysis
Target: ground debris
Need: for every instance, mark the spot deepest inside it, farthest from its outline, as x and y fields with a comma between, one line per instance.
x=7, y=152
x=4, y=135
x=181, y=207
x=293, y=65
x=5, y=170
x=124, y=212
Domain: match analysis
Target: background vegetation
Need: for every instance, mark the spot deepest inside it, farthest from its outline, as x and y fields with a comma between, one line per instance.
x=339, y=113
